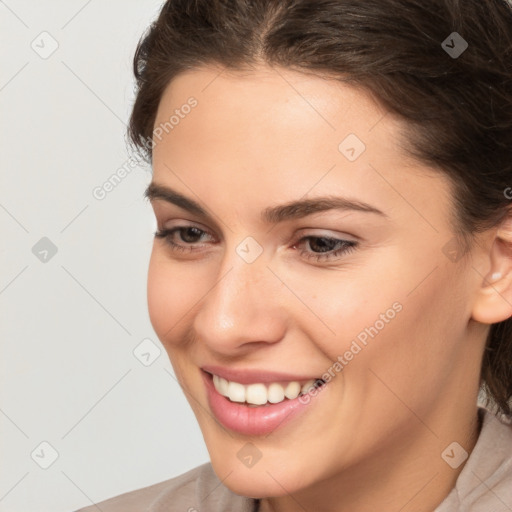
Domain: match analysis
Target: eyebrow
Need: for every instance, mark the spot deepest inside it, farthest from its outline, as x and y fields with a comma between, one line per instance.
x=272, y=214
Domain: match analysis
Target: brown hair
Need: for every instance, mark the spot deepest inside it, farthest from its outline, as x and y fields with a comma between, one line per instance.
x=458, y=108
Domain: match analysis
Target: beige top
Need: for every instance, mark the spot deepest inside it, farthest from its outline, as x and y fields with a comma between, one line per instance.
x=483, y=485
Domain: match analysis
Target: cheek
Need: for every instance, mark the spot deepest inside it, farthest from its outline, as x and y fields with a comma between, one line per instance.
x=355, y=303
x=398, y=316
x=171, y=294
x=414, y=353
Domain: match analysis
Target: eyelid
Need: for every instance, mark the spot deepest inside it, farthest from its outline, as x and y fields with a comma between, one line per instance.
x=345, y=246
x=171, y=212
x=184, y=224
x=325, y=233
x=295, y=237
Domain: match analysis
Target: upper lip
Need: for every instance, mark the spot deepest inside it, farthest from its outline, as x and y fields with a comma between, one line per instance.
x=253, y=376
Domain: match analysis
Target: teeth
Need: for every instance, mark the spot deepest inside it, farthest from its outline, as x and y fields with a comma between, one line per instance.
x=221, y=385
x=308, y=387
x=256, y=394
x=260, y=394
x=275, y=393
x=292, y=390
x=236, y=392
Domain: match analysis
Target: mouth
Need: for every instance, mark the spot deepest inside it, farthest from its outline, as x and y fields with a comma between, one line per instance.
x=262, y=402
x=263, y=393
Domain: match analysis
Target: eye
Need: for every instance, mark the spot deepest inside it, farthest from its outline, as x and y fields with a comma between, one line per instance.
x=189, y=235
x=321, y=248
x=325, y=248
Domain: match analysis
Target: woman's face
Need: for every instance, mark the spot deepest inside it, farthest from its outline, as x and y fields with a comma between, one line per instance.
x=257, y=292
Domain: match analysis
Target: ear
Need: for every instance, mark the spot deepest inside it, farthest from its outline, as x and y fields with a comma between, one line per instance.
x=493, y=301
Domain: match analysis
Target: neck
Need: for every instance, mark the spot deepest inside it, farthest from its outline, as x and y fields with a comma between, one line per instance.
x=409, y=475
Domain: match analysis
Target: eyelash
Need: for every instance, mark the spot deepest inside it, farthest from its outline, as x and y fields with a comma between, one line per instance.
x=347, y=246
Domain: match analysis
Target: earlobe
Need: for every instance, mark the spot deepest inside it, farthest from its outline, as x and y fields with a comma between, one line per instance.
x=493, y=301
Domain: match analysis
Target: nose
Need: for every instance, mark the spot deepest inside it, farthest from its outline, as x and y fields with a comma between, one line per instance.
x=243, y=310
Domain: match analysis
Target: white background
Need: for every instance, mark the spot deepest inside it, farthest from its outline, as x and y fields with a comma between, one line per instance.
x=69, y=325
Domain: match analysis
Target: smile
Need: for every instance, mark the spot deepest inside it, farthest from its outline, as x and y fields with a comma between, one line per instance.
x=261, y=394
x=257, y=403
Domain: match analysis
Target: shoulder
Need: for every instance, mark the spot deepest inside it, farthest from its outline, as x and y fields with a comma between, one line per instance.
x=489, y=479
x=485, y=482
x=144, y=498
x=196, y=488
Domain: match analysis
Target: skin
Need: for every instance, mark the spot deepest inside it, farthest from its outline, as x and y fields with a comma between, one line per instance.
x=372, y=438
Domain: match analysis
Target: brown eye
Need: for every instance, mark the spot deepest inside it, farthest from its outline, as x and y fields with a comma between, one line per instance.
x=188, y=239
x=325, y=248
x=190, y=234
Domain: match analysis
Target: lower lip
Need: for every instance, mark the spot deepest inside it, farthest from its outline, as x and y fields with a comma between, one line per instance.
x=252, y=421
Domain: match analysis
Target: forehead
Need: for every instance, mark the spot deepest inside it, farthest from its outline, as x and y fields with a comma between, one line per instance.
x=272, y=134
x=296, y=93
x=270, y=116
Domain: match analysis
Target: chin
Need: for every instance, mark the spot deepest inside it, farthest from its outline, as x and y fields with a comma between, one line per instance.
x=260, y=481
x=255, y=486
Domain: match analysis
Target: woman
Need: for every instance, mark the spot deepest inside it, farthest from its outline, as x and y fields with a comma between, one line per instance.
x=332, y=271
